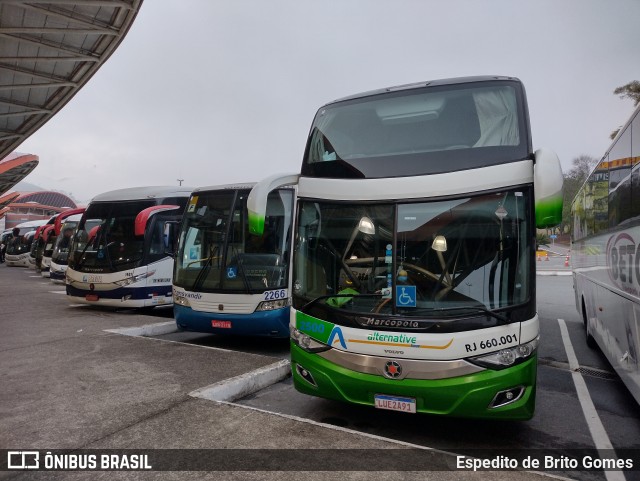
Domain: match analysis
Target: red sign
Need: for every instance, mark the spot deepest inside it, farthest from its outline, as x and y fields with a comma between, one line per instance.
x=221, y=324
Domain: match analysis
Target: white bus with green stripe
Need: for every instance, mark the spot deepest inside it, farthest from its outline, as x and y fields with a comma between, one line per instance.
x=413, y=278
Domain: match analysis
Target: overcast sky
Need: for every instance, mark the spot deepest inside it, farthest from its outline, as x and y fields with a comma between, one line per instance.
x=214, y=91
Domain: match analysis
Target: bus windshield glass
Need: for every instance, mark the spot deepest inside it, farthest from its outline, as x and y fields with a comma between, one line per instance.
x=49, y=245
x=20, y=245
x=105, y=240
x=63, y=241
x=418, y=131
x=217, y=253
x=422, y=259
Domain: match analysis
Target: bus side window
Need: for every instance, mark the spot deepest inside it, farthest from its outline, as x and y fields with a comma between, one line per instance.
x=170, y=229
x=156, y=242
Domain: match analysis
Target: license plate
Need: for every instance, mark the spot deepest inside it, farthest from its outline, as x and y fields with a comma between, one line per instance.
x=395, y=403
x=91, y=297
x=221, y=324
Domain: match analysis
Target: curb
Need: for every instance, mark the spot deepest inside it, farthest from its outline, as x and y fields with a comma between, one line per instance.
x=238, y=387
x=553, y=273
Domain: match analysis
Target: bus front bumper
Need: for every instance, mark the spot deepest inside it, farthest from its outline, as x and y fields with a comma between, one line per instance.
x=273, y=323
x=463, y=396
x=127, y=297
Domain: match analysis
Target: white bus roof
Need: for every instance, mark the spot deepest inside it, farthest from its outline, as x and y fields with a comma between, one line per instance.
x=72, y=218
x=244, y=185
x=139, y=193
x=32, y=224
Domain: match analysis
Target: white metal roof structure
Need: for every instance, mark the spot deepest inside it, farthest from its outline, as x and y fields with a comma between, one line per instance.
x=48, y=50
x=14, y=168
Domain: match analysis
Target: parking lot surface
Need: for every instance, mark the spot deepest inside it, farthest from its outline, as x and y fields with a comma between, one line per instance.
x=72, y=379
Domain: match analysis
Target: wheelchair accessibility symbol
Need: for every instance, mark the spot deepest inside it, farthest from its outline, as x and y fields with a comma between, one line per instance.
x=406, y=296
x=232, y=272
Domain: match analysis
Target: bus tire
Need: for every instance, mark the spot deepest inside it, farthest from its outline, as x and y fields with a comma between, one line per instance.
x=591, y=342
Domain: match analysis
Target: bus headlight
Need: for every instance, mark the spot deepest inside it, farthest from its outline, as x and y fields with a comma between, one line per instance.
x=507, y=357
x=181, y=300
x=306, y=343
x=272, y=305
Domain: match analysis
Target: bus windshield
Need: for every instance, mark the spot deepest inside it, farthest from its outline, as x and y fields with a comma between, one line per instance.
x=420, y=259
x=217, y=253
x=63, y=241
x=49, y=245
x=20, y=244
x=105, y=240
x=419, y=131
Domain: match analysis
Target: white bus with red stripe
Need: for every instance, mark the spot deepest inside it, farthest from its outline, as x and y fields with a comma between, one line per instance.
x=121, y=252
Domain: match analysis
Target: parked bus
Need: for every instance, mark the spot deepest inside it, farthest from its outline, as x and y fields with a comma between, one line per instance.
x=225, y=280
x=19, y=248
x=65, y=226
x=4, y=239
x=43, y=254
x=413, y=263
x=38, y=244
x=125, y=259
x=34, y=247
x=606, y=254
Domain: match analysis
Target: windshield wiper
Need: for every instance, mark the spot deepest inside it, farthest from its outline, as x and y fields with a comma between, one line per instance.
x=204, y=270
x=243, y=276
x=495, y=315
x=108, y=254
x=329, y=296
x=83, y=259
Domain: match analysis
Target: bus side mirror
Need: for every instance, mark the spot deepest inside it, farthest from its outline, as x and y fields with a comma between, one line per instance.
x=257, y=199
x=169, y=237
x=548, y=185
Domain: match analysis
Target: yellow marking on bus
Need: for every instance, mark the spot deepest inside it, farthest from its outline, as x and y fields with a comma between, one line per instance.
x=397, y=344
x=621, y=162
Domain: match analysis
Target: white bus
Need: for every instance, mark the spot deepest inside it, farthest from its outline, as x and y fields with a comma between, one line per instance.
x=19, y=249
x=125, y=260
x=225, y=280
x=60, y=254
x=606, y=254
x=50, y=238
x=413, y=281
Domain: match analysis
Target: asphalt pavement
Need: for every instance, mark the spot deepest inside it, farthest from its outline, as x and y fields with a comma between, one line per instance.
x=74, y=378
x=555, y=262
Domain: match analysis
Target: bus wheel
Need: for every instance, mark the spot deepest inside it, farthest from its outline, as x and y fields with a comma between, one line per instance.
x=591, y=342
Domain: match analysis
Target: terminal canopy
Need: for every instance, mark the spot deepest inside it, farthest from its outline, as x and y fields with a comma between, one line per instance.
x=14, y=168
x=48, y=50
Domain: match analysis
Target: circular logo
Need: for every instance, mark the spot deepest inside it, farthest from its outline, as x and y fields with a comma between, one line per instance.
x=392, y=369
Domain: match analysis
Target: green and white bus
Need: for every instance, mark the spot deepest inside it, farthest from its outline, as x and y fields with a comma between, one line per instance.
x=413, y=279
x=225, y=280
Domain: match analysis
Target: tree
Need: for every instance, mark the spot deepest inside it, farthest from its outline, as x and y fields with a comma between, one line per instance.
x=630, y=91
x=542, y=239
x=573, y=180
